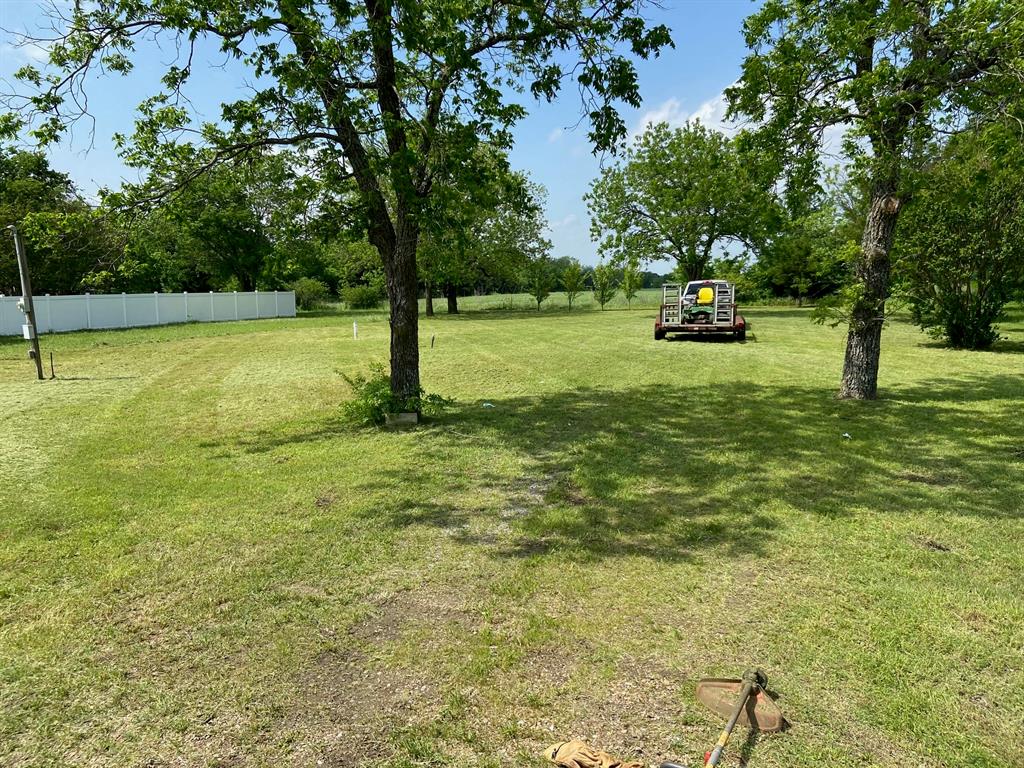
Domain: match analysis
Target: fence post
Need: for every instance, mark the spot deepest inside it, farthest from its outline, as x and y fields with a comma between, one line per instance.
x=124, y=309
x=277, y=309
x=257, y=303
x=49, y=315
x=156, y=306
x=211, y=307
x=236, y=304
x=88, y=313
x=186, y=306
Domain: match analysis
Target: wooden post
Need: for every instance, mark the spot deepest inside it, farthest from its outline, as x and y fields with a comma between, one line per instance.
x=26, y=299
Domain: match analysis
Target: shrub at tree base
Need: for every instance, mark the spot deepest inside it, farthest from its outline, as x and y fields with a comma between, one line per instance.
x=373, y=399
x=310, y=293
x=361, y=297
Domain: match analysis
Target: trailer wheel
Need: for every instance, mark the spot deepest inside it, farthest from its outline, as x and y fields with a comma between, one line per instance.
x=658, y=334
x=741, y=335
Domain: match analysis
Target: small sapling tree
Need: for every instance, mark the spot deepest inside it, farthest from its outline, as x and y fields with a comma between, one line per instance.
x=573, y=281
x=603, y=280
x=632, y=279
x=540, y=278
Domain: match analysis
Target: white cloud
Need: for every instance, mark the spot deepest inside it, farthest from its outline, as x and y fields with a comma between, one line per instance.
x=36, y=52
x=565, y=222
x=710, y=113
x=23, y=50
x=670, y=112
x=555, y=135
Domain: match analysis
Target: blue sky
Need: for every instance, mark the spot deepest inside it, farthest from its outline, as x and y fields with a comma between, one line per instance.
x=682, y=83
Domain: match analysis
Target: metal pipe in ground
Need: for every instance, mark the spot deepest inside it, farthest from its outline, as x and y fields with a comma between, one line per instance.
x=28, y=307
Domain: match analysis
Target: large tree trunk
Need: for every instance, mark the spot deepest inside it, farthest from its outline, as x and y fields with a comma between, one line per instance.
x=403, y=296
x=428, y=296
x=453, y=299
x=864, y=340
x=692, y=267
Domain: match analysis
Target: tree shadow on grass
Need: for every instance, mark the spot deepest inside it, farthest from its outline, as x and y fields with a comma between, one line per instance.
x=677, y=472
x=704, y=338
x=1003, y=346
x=672, y=473
x=1007, y=346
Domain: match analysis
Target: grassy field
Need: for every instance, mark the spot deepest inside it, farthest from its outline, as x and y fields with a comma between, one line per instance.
x=201, y=565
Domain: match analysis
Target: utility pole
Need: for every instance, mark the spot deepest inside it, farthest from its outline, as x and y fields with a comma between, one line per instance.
x=26, y=301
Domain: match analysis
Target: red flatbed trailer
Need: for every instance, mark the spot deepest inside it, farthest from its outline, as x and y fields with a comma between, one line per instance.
x=702, y=306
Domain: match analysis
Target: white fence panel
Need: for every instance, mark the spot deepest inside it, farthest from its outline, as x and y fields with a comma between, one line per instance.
x=266, y=304
x=10, y=318
x=105, y=311
x=200, y=307
x=247, y=306
x=140, y=309
x=286, y=303
x=61, y=313
x=172, y=307
x=224, y=306
x=132, y=310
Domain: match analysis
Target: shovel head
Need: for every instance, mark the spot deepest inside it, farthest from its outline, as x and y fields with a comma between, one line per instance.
x=760, y=712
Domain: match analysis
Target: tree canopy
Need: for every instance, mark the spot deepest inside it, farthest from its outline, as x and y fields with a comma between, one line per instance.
x=678, y=194
x=64, y=236
x=961, y=240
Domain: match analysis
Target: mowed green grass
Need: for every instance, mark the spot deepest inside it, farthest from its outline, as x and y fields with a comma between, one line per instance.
x=202, y=565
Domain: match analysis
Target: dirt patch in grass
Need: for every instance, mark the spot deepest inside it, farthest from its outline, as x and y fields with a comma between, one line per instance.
x=325, y=501
x=638, y=713
x=937, y=479
x=927, y=542
x=353, y=699
x=350, y=706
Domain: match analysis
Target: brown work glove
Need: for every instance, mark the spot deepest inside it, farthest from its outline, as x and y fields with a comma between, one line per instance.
x=576, y=754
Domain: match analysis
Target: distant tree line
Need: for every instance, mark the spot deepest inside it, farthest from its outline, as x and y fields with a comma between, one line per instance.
x=263, y=223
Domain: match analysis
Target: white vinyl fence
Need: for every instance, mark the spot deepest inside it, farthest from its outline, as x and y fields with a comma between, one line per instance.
x=130, y=310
